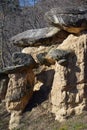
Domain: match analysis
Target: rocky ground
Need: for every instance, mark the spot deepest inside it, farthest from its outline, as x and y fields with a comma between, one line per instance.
x=37, y=117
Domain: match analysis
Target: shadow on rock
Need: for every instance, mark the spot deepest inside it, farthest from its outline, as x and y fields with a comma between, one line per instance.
x=46, y=77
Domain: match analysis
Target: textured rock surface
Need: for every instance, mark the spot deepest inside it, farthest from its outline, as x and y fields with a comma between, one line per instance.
x=13, y=69
x=39, y=53
x=34, y=37
x=53, y=55
x=59, y=55
x=44, y=79
x=19, y=58
x=14, y=120
x=43, y=74
x=21, y=62
x=20, y=90
x=34, y=51
x=70, y=19
x=69, y=90
x=60, y=66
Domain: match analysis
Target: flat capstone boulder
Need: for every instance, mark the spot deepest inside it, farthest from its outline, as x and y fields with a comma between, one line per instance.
x=70, y=19
x=34, y=37
x=21, y=62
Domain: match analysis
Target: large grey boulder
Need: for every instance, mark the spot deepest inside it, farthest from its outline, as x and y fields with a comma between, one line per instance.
x=34, y=37
x=73, y=19
x=19, y=58
x=21, y=62
x=50, y=58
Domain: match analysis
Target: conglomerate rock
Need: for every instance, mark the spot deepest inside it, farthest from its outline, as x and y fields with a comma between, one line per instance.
x=20, y=89
x=69, y=90
x=19, y=92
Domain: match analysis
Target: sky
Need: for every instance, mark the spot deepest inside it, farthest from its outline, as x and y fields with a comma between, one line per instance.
x=27, y=2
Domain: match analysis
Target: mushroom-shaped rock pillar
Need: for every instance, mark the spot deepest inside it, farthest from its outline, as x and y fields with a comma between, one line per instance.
x=20, y=86
x=69, y=90
x=21, y=82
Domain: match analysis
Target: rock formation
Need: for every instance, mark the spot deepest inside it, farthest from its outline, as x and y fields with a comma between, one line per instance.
x=35, y=37
x=68, y=95
x=20, y=85
x=53, y=60
x=68, y=60
x=20, y=90
x=71, y=19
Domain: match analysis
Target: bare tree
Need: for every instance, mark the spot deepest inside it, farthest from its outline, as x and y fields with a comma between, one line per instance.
x=6, y=8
